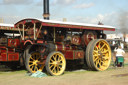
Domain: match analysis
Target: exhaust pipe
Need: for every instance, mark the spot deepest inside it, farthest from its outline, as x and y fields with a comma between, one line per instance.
x=46, y=9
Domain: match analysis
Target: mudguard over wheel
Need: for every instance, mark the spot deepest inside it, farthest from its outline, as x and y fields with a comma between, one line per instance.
x=99, y=55
x=32, y=61
x=55, y=63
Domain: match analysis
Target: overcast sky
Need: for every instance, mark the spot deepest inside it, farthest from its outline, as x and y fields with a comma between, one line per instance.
x=109, y=12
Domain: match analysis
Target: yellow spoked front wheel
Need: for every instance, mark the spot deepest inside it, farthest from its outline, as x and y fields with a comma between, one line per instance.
x=55, y=63
x=100, y=55
x=32, y=61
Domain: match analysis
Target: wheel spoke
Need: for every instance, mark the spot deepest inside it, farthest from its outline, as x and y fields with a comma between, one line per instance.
x=58, y=69
x=99, y=63
x=51, y=66
x=59, y=58
x=32, y=67
x=30, y=61
x=95, y=51
x=51, y=63
x=55, y=70
x=36, y=68
x=31, y=64
x=96, y=47
x=99, y=45
x=96, y=59
x=96, y=63
x=54, y=57
x=95, y=55
x=102, y=46
x=31, y=58
x=60, y=64
x=105, y=51
x=105, y=58
x=40, y=67
x=38, y=58
x=52, y=60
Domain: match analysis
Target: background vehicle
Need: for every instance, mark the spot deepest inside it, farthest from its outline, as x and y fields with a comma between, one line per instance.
x=9, y=45
x=114, y=43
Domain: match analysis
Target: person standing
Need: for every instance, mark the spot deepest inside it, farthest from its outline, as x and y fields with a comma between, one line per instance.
x=119, y=53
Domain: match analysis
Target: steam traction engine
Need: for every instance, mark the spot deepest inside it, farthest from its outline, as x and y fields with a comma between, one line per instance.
x=51, y=44
x=40, y=44
x=10, y=44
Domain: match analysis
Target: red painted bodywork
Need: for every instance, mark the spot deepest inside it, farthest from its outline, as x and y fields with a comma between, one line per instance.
x=69, y=55
x=28, y=41
x=74, y=54
x=13, y=56
x=8, y=54
x=8, y=28
x=40, y=41
x=3, y=57
x=78, y=54
x=70, y=52
x=13, y=42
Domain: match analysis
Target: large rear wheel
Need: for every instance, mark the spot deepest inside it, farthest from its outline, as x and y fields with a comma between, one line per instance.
x=99, y=55
x=55, y=63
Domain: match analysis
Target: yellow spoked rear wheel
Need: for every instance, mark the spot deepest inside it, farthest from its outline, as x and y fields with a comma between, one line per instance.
x=32, y=62
x=55, y=63
x=100, y=55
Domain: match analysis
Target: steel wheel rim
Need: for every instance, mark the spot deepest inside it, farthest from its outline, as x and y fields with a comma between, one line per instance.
x=33, y=62
x=102, y=55
x=57, y=64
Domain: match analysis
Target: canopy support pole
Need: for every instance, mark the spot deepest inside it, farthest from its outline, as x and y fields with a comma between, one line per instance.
x=34, y=31
x=23, y=31
x=20, y=33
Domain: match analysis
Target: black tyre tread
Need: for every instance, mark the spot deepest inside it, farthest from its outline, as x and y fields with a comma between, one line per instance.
x=27, y=63
x=91, y=55
x=87, y=57
x=26, y=58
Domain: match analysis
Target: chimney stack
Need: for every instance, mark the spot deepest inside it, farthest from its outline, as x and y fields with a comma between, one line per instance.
x=46, y=9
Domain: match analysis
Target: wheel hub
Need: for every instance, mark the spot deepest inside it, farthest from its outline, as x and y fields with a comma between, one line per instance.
x=100, y=54
x=35, y=62
x=56, y=63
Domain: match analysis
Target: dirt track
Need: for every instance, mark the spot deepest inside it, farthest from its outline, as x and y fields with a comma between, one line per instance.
x=109, y=77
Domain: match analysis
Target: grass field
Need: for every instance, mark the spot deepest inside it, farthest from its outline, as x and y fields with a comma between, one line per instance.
x=112, y=76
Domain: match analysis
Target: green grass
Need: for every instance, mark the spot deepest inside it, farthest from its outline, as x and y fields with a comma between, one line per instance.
x=66, y=72
x=13, y=72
